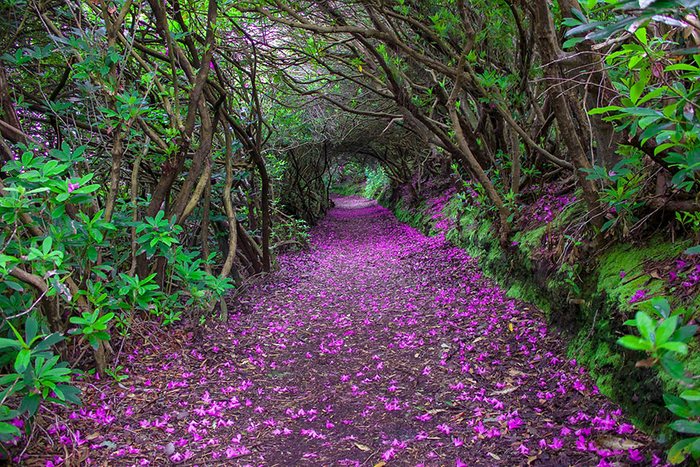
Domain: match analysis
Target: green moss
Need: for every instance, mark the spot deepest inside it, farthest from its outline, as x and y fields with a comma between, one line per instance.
x=527, y=292
x=571, y=213
x=529, y=240
x=631, y=259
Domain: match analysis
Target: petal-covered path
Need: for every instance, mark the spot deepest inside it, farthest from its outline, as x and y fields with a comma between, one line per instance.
x=378, y=345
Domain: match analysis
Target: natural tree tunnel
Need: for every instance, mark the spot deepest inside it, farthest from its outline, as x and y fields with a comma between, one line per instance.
x=173, y=171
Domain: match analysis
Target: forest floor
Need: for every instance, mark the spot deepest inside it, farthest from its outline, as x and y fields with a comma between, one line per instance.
x=378, y=345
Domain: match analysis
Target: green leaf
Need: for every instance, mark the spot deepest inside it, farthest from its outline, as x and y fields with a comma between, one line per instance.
x=579, y=15
x=106, y=318
x=87, y=189
x=679, y=451
x=13, y=285
x=31, y=327
x=5, y=343
x=570, y=22
x=70, y=393
x=635, y=343
x=638, y=88
x=693, y=250
x=666, y=330
x=641, y=111
x=646, y=121
x=94, y=341
x=49, y=341
x=46, y=245
x=682, y=67
x=645, y=325
x=686, y=426
x=19, y=337
x=635, y=60
x=8, y=431
x=691, y=395
x=582, y=28
x=685, y=333
x=30, y=403
x=91, y=253
x=602, y=110
x=677, y=406
x=658, y=92
x=673, y=367
x=23, y=359
x=59, y=393
x=569, y=43
x=102, y=335
x=677, y=347
x=661, y=305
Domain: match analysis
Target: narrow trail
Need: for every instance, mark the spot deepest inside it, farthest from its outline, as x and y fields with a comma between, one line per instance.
x=378, y=345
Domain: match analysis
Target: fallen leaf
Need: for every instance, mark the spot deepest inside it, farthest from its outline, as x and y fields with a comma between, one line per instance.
x=646, y=363
x=362, y=447
x=656, y=274
x=108, y=445
x=504, y=391
x=613, y=442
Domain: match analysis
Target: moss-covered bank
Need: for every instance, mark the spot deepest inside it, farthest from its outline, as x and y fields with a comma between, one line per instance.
x=589, y=310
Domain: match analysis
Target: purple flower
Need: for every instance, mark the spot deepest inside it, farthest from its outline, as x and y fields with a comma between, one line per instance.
x=638, y=296
x=73, y=186
x=635, y=455
x=556, y=444
x=445, y=428
x=389, y=454
x=514, y=423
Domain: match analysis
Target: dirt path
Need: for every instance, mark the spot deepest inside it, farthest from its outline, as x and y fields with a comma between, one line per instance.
x=378, y=345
